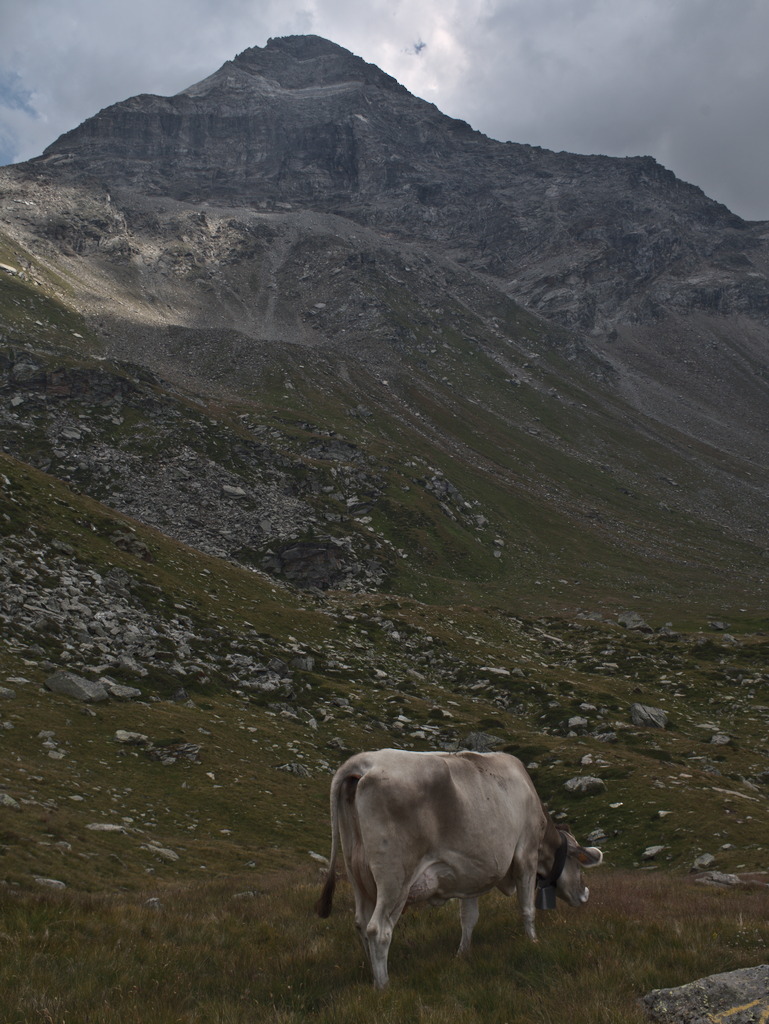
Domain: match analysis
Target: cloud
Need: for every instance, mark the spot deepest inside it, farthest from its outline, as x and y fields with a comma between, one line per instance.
x=685, y=81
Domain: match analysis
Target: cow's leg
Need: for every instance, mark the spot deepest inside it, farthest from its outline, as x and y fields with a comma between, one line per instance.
x=468, y=917
x=526, y=887
x=364, y=908
x=380, y=933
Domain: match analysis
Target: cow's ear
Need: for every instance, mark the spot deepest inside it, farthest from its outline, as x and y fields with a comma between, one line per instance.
x=589, y=856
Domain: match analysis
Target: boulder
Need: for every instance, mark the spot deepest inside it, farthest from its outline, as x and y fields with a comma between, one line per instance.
x=632, y=620
x=132, y=739
x=303, y=663
x=739, y=997
x=585, y=785
x=483, y=742
x=643, y=715
x=119, y=691
x=578, y=722
x=719, y=878
x=127, y=541
x=720, y=739
x=651, y=852
x=73, y=685
x=704, y=861
x=163, y=852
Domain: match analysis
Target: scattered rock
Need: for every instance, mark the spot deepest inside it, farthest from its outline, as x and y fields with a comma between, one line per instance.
x=651, y=852
x=739, y=997
x=172, y=752
x=585, y=785
x=704, y=861
x=643, y=715
x=632, y=620
x=596, y=836
x=8, y=801
x=163, y=852
x=119, y=691
x=127, y=541
x=718, y=878
x=303, y=664
x=483, y=742
x=577, y=722
x=6, y=693
x=51, y=883
x=294, y=768
x=73, y=685
x=135, y=739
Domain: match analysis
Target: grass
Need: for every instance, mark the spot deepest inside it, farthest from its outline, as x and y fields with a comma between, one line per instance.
x=242, y=950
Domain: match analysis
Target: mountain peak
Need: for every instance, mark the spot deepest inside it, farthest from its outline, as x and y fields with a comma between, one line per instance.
x=301, y=61
x=303, y=47
x=304, y=124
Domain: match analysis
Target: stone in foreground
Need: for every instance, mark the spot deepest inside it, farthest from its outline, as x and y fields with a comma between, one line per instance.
x=736, y=997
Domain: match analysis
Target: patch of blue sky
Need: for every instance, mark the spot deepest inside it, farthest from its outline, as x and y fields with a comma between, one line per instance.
x=8, y=148
x=13, y=97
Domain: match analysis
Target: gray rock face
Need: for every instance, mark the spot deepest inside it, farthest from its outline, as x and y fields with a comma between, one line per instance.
x=303, y=184
x=327, y=563
x=303, y=123
x=739, y=997
x=73, y=685
x=254, y=516
x=643, y=715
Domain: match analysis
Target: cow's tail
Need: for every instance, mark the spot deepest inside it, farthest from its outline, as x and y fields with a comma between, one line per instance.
x=342, y=788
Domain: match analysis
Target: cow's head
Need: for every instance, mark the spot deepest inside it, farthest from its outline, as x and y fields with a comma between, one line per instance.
x=570, y=886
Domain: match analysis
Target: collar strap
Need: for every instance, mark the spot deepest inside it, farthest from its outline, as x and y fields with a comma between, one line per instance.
x=559, y=863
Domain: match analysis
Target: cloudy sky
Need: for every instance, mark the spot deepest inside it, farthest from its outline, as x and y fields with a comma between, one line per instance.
x=686, y=81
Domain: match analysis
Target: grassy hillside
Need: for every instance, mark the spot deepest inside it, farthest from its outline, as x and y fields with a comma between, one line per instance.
x=197, y=636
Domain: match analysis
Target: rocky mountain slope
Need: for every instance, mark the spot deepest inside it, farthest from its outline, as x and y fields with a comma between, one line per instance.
x=164, y=713
x=621, y=250
x=591, y=241
x=351, y=426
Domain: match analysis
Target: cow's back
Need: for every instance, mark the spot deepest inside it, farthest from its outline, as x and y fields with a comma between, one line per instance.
x=463, y=813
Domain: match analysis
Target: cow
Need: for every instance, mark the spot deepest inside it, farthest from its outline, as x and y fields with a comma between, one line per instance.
x=429, y=827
